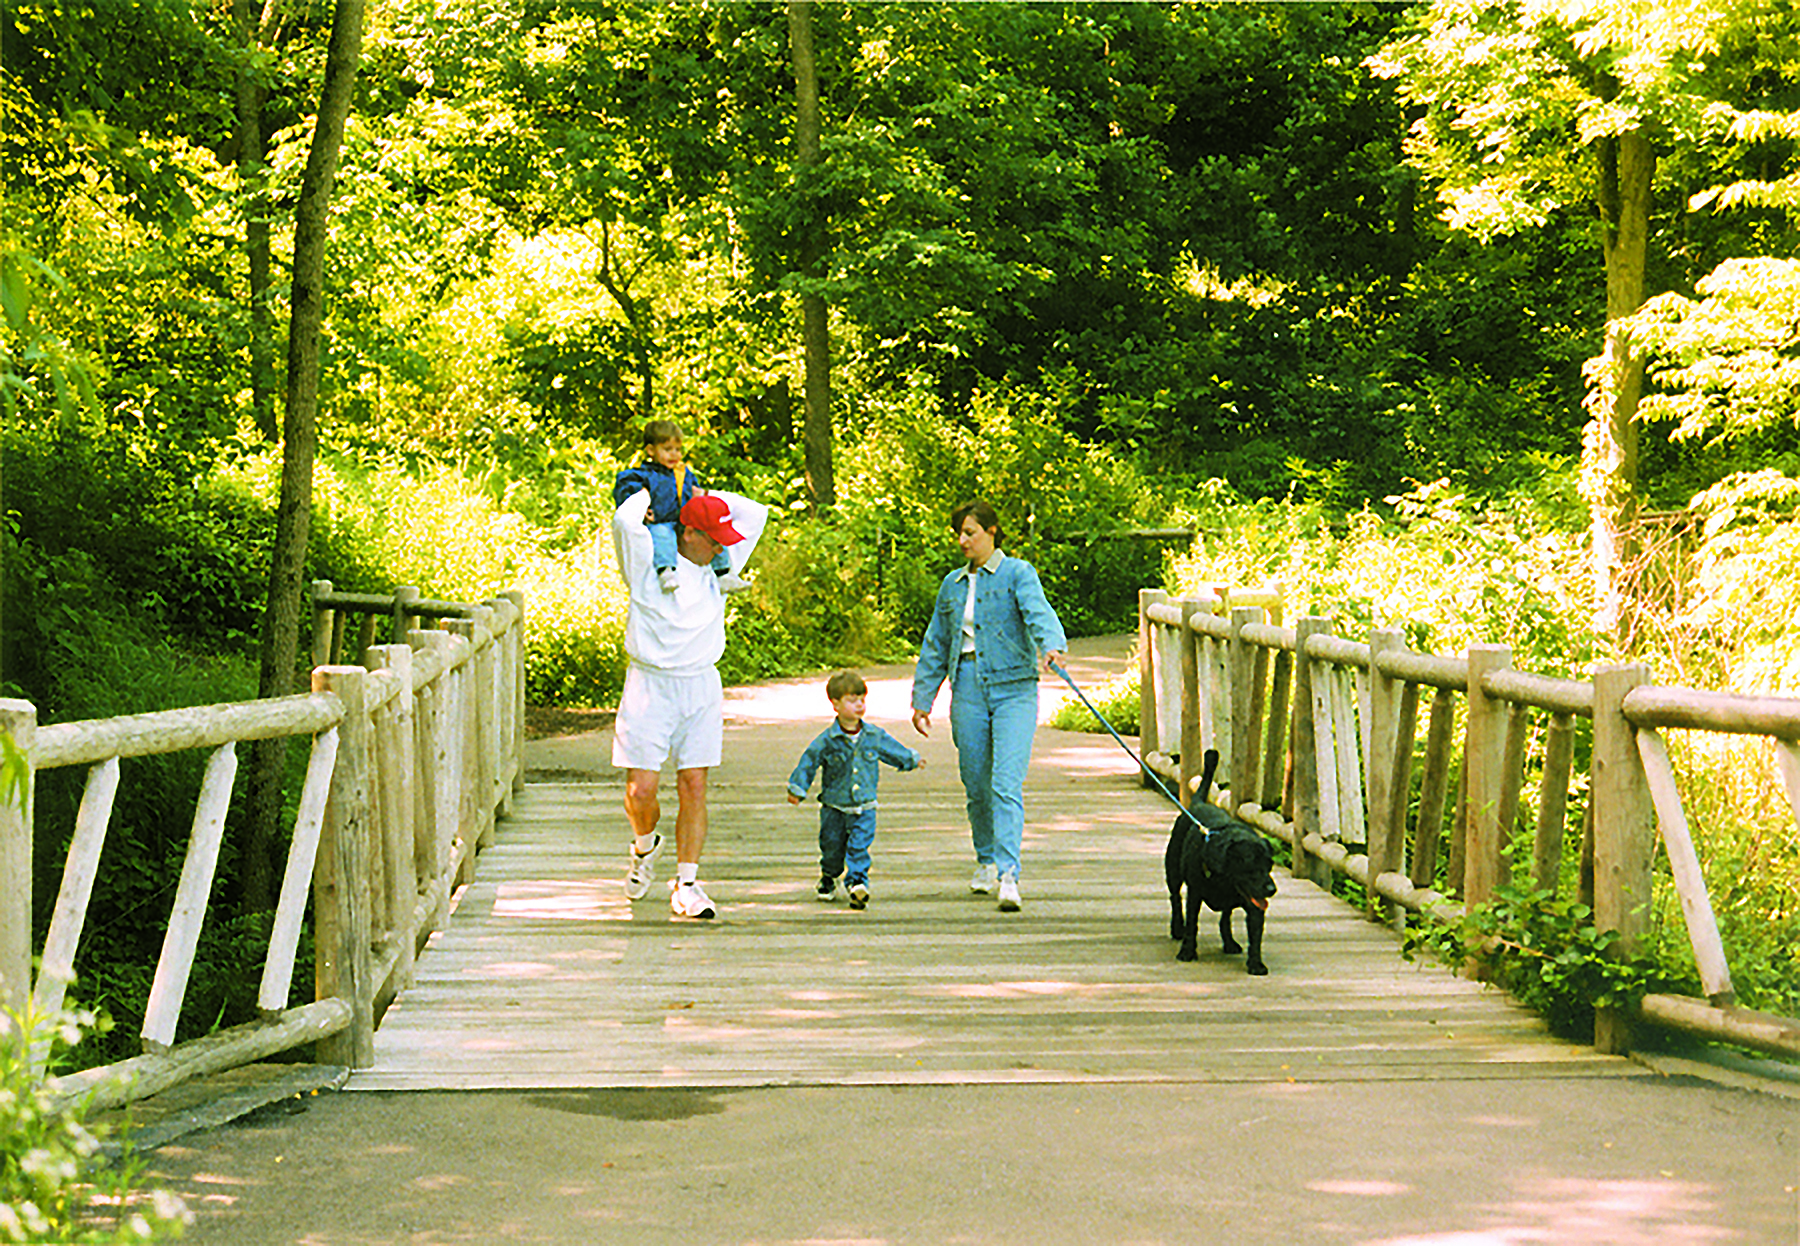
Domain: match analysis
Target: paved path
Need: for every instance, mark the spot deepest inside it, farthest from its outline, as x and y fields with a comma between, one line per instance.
x=931, y=1070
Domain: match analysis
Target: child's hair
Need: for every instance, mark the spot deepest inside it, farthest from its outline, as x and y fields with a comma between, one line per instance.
x=658, y=431
x=845, y=684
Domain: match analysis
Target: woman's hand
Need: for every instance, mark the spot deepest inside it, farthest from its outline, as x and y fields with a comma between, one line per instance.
x=1054, y=658
x=922, y=722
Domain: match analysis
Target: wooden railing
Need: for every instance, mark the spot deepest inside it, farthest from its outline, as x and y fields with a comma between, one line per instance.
x=1318, y=737
x=414, y=753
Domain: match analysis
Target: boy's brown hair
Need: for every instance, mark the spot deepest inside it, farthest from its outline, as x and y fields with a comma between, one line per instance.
x=658, y=431
x=845, y=684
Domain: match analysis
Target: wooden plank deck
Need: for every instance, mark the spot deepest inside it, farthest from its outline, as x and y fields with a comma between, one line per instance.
x=546, y=976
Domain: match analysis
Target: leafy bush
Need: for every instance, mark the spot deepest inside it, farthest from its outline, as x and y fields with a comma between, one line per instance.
x=1547, y=953
x=55, y=1184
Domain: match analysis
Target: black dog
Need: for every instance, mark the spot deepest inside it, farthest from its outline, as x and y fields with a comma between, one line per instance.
x=1224, y=864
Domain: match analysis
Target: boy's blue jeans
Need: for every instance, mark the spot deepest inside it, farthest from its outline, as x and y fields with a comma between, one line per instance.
x=993, y=727
x=664, y=549
x=844, y=840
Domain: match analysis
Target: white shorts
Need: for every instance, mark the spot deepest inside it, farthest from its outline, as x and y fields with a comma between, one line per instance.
x=663, y=716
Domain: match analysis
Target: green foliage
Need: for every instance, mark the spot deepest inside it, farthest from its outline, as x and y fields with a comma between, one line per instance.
x=55, y=1185
x=1544, y=951
x=1117, y=699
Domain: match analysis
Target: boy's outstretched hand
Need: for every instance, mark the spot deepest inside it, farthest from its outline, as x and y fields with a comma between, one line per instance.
x=793, y=799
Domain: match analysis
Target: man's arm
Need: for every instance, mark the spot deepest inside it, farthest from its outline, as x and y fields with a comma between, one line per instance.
x=749, y=518
x=631, y=539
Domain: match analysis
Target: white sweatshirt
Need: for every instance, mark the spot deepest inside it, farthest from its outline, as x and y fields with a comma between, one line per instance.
x=680, y=632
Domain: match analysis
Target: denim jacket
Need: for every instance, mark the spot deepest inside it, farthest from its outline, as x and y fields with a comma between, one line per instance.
x=667, y=495
x=1014, y=624
x=851, y=765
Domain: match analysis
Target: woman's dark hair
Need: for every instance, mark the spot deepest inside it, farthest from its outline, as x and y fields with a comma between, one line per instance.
x=985, y=515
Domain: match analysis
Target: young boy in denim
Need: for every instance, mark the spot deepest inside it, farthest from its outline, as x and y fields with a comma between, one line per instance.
x=850, y=753
x=671, y=484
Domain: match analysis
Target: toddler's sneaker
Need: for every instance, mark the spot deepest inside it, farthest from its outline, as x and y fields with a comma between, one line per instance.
x=668, y=579
x=731, y=582
x=643, y=869
x=826, y=891
x=687, y=900
x=859, y=895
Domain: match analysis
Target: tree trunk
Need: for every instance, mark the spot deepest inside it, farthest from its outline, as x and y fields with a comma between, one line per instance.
x=253, y=176
x=816, y=331
x=639, y=317
x=300, y=442
x=1610, y=449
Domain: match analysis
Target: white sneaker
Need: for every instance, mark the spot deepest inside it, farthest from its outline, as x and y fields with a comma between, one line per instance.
x=732, y=582
x=986, y=875
x=643, y=869
x=1009, y=895
x=669, y=580
x=687, y=900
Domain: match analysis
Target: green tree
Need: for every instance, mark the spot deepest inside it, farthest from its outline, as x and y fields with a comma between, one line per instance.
x=1534, y=105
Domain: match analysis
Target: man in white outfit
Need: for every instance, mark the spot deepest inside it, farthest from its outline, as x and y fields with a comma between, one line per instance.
x=673, y=706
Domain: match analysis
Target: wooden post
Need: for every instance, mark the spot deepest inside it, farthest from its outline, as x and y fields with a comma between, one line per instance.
x=439, y=765
x=324, y=622
x=397, y=773
x=1192, y=733
x=1149, y=737
x=470, y=820
x=1624, y=833
x=1553, y=804
x=1684, y=864
x=1387, y=824
x=1512, y=771
x=1484, y=765
x=193, y=894
x=1217, y=683
x=1246, y=708
x=487, y=720
x=516, y=682
x=18, y=720
x=406, y=618
x=1276, y=743
x=1434, y=787
x=1353, y=827
x=1305, y=745
x=343, y=967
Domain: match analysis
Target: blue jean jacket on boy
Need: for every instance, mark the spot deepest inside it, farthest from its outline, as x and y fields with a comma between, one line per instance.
x=852, y=765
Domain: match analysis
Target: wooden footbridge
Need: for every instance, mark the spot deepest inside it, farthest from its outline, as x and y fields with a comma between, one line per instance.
x=545, y=975
x=464, y=890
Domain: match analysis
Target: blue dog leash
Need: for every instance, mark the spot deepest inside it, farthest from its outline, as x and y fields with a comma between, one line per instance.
x=1154, y=777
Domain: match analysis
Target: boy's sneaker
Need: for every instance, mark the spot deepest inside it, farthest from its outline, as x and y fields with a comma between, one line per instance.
x=1009, y=895
x=732, y=582
x=687, y=900
x=987, y=875
x=859, y=895
x=643, y=869
x=826, y=891
x=668, y=579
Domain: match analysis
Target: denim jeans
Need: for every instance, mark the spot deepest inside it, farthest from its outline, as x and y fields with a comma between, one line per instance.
x=844, y=840
x=993, y=727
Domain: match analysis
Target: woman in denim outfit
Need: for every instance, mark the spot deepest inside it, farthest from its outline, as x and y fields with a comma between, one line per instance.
x=990, y=631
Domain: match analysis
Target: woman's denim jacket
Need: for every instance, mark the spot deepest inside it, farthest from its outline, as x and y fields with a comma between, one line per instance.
x=1013, y=625
x=852, y=765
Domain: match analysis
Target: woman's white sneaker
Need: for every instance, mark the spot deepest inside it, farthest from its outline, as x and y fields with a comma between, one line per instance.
x=1009, y=895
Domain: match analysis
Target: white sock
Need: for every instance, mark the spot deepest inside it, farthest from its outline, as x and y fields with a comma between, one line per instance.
x=643, y=843
x=687, y=872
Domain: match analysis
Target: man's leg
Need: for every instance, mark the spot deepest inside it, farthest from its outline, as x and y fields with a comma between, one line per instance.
x=642, y=808
x=690, y=814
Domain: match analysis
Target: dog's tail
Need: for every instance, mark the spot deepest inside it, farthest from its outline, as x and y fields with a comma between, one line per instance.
x=1209, y=765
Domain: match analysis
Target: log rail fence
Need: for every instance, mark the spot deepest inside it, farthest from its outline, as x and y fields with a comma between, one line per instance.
x=1318, y=736
x=414, y=754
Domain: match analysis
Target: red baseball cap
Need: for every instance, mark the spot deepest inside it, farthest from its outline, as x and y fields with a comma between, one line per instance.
x=708, y=513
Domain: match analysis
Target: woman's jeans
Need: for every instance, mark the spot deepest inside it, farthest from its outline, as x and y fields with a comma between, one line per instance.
x=993, y=728
x=844, y=840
